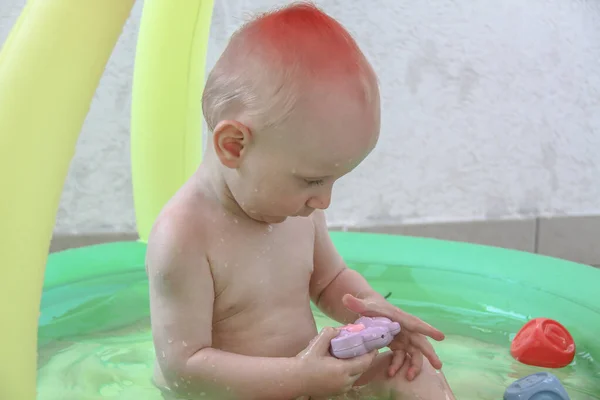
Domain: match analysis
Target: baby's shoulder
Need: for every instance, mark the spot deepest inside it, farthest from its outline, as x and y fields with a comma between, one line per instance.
x=182, y=228
x=185, y=216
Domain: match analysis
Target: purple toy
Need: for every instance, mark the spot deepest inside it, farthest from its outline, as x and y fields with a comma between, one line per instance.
x=365, y=335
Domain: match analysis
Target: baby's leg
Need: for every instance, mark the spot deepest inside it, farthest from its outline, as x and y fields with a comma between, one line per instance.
x=430, y=384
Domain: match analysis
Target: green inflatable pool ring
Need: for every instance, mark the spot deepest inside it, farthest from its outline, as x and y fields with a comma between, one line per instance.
x=467, y=290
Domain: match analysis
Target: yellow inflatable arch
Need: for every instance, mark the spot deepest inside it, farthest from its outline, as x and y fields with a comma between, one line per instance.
x=50, y=67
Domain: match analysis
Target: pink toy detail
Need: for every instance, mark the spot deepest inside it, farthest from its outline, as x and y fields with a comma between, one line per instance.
x=354, y=327
x=365, y=335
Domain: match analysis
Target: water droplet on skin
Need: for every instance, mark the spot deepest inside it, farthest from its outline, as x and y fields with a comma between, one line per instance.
x=294, y=171
x=235, y=220
x=270, y=228
x=226, y=265
x=213, y=365
x=176, y=384
x=170, y=341
x=184, y=343
x=337, y=164
x=163, y=354
x=255, y=190
x=222, y=240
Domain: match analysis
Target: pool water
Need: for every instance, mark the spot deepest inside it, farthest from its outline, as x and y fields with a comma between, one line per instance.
x=119, y=366
x=95, y=341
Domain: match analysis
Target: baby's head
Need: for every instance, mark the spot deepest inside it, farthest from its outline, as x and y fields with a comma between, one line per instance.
x=293, y=105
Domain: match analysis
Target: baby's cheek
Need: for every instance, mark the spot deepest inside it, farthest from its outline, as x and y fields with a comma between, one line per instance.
x=285, y=194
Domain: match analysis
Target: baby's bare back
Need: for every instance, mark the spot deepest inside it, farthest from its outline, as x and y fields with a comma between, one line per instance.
x=260, y=273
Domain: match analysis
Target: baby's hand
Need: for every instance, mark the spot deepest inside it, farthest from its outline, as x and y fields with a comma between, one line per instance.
x=325, y=375
x=412, y=339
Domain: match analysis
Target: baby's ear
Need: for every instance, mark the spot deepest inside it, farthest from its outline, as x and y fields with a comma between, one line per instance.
x=230, y=139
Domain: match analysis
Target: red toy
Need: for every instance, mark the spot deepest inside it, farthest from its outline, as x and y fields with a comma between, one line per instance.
x=545, y=343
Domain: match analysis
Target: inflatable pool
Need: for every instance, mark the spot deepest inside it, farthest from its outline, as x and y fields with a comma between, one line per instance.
x=94, y=333
x=90, y=338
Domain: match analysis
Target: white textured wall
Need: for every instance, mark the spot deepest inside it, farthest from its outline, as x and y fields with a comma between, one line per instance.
x=490, y=110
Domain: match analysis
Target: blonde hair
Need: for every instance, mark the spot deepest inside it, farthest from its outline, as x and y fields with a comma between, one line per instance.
x=271, y=58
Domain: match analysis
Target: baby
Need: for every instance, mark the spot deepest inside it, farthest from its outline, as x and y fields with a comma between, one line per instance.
x=240, y=251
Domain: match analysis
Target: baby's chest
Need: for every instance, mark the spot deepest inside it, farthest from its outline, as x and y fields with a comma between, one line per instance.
x=276, y=267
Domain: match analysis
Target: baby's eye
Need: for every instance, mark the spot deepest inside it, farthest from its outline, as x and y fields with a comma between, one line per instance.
x=318, y=182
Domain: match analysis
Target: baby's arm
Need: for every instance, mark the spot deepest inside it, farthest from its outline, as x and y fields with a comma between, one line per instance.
x=181, y=301
x=331, y=278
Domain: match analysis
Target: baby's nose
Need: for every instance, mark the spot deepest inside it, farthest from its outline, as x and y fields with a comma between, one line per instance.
x=320, y=202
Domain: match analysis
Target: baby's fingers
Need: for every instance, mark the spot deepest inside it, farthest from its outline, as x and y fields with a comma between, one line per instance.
x=397, y=362
x=421, y=343
x=416, y=363
x=417, y=325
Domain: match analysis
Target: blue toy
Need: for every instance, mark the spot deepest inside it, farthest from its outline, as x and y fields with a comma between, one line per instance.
x=538, y=386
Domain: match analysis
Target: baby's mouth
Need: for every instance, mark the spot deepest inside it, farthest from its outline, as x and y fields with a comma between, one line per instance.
x=305, y=213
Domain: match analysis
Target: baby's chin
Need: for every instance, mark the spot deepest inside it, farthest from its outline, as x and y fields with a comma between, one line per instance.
x=273, y=220
x=279, y=219
x=267, y=219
